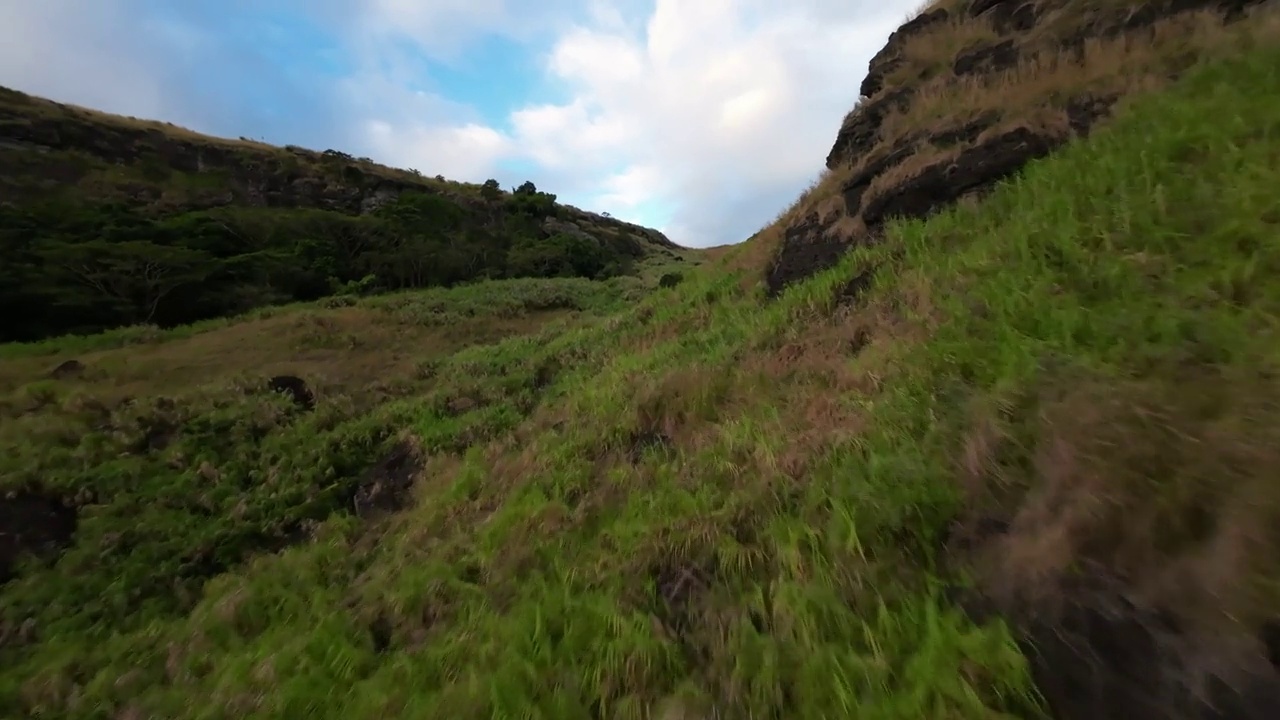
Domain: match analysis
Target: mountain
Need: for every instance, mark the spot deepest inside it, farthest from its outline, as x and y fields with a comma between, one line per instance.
x=109, y=221
x=984, y=425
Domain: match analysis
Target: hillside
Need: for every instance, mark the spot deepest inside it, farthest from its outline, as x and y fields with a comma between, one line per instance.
x=108, y=221
x=984, y=426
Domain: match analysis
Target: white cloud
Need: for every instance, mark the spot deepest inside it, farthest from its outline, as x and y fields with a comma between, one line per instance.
x=713, y=114
x=725, y=108
x=59, y=48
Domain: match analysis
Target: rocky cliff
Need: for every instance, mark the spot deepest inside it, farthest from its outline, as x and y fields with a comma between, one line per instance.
x=969, y=91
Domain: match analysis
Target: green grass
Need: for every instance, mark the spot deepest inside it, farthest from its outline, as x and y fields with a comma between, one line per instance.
x=706, y=501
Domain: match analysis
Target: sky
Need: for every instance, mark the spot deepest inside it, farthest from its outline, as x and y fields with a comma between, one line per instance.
x=702, y=118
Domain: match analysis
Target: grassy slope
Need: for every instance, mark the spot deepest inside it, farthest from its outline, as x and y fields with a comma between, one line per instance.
x=716, y=501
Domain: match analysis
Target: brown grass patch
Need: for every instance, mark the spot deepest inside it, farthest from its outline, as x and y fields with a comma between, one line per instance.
x=1052, y=75
x=350, y=347
x=1169, y=484
x=931, y=53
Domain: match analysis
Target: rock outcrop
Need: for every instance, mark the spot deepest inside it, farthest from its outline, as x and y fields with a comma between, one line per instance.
x=932, y=128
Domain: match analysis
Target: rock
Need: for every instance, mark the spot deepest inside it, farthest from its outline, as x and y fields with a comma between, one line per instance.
x=940, y=184
x=861, y=128
x=1084, y=112
x=985, y=58
x=67, y=369
x=807, y=248
x=888, y=59
x=1007, y=15
x=32, y=522
x=296, y=388
x=856, y=186
x=385, y=487
x=1098, y=654
x=669, y=280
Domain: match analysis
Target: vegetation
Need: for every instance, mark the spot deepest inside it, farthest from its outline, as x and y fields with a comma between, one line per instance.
x=108, y=222
x=699, y=499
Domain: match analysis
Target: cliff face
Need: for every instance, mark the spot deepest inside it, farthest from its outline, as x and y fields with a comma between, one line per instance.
x=969, y=91
x=961, y=98
x=106, y=220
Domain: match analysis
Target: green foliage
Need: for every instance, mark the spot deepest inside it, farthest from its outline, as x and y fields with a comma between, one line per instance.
x=70, y=264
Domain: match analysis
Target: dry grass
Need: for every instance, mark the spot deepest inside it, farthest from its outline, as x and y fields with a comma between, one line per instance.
x=1169, y=482
x=344, y=346
x=719, y=501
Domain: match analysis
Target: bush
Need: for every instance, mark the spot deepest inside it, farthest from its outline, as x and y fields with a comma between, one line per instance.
x=670, y=280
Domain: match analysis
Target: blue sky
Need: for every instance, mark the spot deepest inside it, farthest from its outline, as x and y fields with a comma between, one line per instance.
x=703, y=119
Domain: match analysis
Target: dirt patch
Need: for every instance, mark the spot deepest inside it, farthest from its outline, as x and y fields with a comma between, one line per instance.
x=32, y=522
x=385, y=487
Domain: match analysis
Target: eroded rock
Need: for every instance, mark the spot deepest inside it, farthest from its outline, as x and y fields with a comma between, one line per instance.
x=889, y=57
x=861, y=129
x=940, y=184
x=807, y=248
x=986, y=58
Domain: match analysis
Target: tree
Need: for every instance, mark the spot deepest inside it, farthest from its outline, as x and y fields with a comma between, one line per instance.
x=526, y=188
x=134, y=275
x=491, y=190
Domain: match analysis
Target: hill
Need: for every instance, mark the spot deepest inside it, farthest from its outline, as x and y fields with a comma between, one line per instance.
x=108, y=221
x=1010, y=452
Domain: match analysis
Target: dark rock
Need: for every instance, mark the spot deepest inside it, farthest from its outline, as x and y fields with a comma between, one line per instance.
x=807, y=249
x=296, y=388
x=861, y=128
x=856, y=186
x=1084, y=112
x=986, y=58
x=1099, y=655
x=68, y=369
x=888, y=59
x=32, y=522
x=386, y=486
x=940, y=184
x=849, y=294
x=643, y=441
x=1007, y=15
x=966, y=132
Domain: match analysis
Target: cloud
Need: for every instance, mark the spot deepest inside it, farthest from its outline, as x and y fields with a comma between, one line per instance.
x=717, y=112
x=704, y=117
